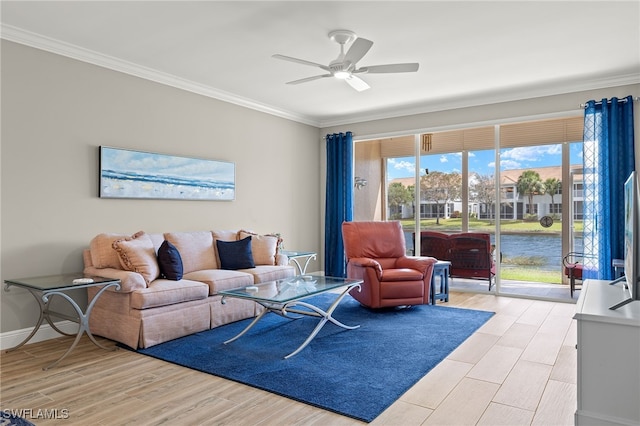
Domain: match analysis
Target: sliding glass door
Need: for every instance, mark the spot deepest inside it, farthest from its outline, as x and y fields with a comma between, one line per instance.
x=506, y=182
x=531, y=220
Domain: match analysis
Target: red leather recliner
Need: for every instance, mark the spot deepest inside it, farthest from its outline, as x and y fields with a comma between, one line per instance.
x=376, y=254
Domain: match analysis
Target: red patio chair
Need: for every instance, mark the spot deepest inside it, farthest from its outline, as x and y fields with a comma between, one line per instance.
x=573, y=266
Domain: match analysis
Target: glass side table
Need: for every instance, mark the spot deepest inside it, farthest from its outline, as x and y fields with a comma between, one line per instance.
x=295, y=255
x=44, y=288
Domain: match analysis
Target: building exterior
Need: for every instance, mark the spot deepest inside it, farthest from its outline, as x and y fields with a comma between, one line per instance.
x=513, y=205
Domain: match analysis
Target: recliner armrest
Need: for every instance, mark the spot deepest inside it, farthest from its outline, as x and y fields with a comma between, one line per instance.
x=366, y=262
x=419, y=263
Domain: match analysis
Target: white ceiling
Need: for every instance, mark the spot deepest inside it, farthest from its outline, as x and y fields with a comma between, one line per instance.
x=470, y=53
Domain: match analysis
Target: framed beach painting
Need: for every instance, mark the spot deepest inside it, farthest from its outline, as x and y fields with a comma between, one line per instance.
x=134, y=174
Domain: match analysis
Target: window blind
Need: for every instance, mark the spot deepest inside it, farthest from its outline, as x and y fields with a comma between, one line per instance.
x=542, y=132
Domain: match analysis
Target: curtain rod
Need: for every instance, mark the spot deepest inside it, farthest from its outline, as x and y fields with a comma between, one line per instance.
x=619, y=100
x=322, y=138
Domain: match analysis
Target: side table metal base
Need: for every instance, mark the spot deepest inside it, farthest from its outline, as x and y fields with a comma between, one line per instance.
x=82, y=319
x=295, y=255
x=441, y=271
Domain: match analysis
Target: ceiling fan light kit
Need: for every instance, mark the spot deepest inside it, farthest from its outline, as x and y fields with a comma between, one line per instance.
x=344, y=66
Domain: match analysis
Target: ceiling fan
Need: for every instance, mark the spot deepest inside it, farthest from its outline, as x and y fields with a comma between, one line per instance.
x=344, y=66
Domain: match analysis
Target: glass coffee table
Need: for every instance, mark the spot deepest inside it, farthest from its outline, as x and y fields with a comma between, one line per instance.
x=283, y=296
x=44, y=288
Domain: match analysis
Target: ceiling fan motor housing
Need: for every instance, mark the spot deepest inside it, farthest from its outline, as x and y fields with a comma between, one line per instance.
x=340, y=67
x=342, y=36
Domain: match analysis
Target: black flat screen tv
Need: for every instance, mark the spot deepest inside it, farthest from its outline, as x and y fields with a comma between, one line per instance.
x=631, y=277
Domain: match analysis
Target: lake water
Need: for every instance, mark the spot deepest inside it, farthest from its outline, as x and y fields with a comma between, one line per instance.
x=548, y=247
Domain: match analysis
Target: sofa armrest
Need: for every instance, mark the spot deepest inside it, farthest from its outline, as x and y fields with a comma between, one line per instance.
x=419, y=263
x=282, y=259
x=129, y=281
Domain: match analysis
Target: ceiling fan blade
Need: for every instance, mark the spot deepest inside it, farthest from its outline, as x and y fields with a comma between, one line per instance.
x=390, y=68
x=358, y=49
x=357, y=83
x=301, y=61
x=304, y=80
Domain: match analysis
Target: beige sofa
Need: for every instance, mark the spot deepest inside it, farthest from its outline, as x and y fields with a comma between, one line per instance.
x=155, y=305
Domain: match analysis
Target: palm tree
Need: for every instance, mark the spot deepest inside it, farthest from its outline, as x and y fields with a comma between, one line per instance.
x=529, y=183
x=552, y=187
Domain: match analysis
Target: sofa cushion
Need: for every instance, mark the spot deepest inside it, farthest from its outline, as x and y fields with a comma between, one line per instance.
x=157, y=239
x=196, y=249
x=163, y=292
x=102, y=253
x=169, y=261
x=137, y=254
x=235, y=254
x=263, y=247
x=221, y=279
x=264, y=273
x=225, y=235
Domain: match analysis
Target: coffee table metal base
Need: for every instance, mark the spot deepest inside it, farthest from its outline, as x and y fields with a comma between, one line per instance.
x=284, y=310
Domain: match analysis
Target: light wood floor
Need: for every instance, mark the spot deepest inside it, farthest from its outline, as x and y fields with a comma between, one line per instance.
x=518, y=369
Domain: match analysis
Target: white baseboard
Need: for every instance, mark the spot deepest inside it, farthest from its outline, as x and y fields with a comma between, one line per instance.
x=10, y=339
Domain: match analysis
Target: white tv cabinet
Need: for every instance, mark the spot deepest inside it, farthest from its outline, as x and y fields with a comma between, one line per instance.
x=608, y=356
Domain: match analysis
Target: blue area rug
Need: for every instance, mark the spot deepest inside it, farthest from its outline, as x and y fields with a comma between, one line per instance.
x=8, y=418
x=356, y=373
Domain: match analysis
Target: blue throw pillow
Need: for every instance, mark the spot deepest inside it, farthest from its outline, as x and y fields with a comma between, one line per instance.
x=169, y=261
x=235, y=254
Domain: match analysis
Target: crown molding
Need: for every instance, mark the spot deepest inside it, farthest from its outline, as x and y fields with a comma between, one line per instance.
x=488, y=98
x=72, y=51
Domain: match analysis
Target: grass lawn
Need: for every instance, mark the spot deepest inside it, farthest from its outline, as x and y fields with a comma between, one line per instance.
x=531, y=275
x=477, y=225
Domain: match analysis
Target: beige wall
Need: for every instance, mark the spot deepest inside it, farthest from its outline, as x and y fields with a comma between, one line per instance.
x=57, y=111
